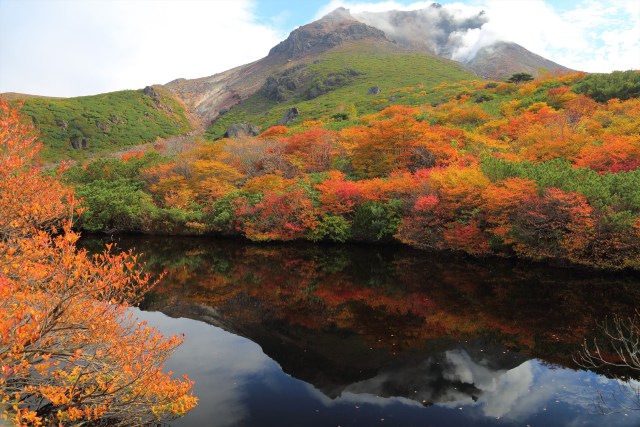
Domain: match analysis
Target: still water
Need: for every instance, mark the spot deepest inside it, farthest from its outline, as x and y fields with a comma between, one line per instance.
x=303, y=335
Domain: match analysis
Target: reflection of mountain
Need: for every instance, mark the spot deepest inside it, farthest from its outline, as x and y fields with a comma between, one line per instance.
x=336, y=360
x=448, y=377
x=374, y=319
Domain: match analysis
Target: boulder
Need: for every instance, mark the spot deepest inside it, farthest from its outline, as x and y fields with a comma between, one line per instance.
x=374, y=90
x=78, y=142
x=150, y=92
x=103, y=126
x=241, y=129
x=290, y=115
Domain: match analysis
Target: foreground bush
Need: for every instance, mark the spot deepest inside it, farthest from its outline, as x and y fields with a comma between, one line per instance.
x=70, y=350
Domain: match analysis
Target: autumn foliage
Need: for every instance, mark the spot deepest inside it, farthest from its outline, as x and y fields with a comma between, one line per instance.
x=535, y=170
x=70, y=350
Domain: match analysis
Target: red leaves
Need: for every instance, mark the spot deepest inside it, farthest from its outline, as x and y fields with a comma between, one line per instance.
x=616, y=154
x=278, y=216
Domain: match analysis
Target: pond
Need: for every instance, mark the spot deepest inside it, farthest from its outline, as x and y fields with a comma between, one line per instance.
x=321, y=335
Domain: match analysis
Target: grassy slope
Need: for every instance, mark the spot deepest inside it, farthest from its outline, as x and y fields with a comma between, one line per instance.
x=383, y=67
x=109, y=122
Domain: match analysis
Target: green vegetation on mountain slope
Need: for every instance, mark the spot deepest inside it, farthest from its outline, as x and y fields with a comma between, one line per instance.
x=336, y=85
x=88, y=126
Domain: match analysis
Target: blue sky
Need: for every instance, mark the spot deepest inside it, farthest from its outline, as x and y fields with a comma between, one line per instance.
x=82, y=47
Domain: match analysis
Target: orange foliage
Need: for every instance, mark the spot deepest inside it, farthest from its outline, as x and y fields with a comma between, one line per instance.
x=70, y=351
x=468, y=238
x=338, y=196
x=131, y=155
x=278, y=216
x=617, y=153
x=556, y=225
x=459, y=188
x=275, y=132
x=312, y=149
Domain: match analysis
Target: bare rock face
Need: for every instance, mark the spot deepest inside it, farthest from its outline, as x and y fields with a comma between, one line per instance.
x=374, y=90
x=290, y=115
x=150, y=92
x=242, y=129
x=330, y=31
x=78, y=142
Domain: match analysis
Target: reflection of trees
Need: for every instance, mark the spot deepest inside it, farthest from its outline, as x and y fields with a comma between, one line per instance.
x=391, y=297
x=620, y=355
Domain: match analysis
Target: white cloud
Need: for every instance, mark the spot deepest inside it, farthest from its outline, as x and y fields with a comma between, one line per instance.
x=74, y=47
x=589, y=35
x=70, y=47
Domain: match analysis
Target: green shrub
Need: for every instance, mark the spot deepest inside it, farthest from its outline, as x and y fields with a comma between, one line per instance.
x=332, y=227
x=603, y=87
x=376, y=221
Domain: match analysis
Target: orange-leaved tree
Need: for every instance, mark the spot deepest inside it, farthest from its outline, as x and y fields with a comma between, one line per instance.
x=70, y=351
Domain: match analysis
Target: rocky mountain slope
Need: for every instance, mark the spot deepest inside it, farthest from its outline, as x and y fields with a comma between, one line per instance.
x=211, y=97
x=431, y=31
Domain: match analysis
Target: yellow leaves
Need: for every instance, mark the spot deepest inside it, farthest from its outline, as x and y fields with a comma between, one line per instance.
x=269, y=182
x=460, y=187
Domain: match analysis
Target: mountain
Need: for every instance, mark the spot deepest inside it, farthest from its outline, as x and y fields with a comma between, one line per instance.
x=451, y=35
x=335, y=55
x=502, y=59
x=211, y=97
x=325, y=56
x=341, y=65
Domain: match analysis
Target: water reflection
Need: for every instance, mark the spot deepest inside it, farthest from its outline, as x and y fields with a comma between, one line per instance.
x=306, y=335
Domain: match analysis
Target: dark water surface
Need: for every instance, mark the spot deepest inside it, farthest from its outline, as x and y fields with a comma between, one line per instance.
x=302, y=335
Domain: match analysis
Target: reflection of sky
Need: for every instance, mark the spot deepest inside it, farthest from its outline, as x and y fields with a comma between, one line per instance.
x=237, y=384
x=219, y=362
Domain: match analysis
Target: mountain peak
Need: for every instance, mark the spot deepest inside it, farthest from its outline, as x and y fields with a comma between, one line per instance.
x=339, y=14
x=331, y=30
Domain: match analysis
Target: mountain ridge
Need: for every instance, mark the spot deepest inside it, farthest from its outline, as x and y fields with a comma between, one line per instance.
x=407, y=32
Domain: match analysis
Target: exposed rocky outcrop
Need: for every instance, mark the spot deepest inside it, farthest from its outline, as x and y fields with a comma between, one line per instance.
x=282, y=86
x=242, y=129
x=290, y=115
x=150, y=92
x=374, y=90
x=330, y=31
x=78, y=142
x=104, y=127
